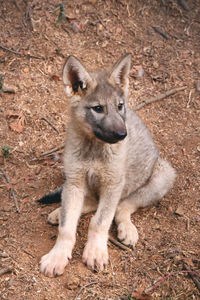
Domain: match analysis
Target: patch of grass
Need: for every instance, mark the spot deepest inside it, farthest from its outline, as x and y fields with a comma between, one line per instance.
x=5, y=151
x=61, y=13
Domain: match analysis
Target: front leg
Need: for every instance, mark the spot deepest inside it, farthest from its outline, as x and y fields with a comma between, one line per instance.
x=54, y=262
x=95, y=253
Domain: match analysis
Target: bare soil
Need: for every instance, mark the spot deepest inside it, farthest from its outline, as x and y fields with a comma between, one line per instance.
x=164, y=39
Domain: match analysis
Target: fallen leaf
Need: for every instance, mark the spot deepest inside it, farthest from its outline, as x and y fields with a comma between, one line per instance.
x=118, y=30
x=55, y=78
x=50, y=162
x=26, y=70
x=10, y=114
x=179, y=211
x=48, y=16
x=141, y=295
x=71, y=19
x=1, y=160
x=188, y=261
x=29, y=178
x=18, y=124
x=104, y=44
x=78, y=26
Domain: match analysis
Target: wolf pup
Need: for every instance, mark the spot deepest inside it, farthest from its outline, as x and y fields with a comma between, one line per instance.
x=111, y=163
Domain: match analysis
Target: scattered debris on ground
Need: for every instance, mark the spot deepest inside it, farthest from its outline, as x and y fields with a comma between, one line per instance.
x=36, y=37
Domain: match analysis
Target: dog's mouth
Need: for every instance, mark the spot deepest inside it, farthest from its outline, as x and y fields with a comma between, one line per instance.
x=112, y=137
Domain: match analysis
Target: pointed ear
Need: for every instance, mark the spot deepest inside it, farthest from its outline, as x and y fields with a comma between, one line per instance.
x=75, y=77
x=120, y=72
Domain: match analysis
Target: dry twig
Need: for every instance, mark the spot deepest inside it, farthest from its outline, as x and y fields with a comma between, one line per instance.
x=28, y=15
x=10, y=50
x=11, y=190
x=50, y=123
x=5, y=270
x=28, y=253
x=52, y=150
x=160, y=97
x=118, y=244
x=193, y=275
x=20, y=54
x=161, y=32
x=83, y=287
x=162, y=279
x=17, y=5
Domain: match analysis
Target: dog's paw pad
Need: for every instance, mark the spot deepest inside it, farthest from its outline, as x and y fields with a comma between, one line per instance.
x=127, y=233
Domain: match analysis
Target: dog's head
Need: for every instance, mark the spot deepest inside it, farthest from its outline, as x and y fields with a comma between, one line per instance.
x=98, y=100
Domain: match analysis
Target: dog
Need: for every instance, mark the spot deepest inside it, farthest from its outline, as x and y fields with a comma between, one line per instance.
x=111, y=163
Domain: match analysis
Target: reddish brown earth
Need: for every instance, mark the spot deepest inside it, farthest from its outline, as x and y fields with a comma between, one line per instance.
x=98, y=33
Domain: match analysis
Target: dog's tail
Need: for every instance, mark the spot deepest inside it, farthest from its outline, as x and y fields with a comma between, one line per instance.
x=53, y=197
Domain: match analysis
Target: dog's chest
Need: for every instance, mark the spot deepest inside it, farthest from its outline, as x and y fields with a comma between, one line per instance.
x=93, y=179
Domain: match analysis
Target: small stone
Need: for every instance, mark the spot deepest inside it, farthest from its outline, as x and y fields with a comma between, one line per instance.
x=155, y=65
x=10, y=88
x=141, y=72
x=170, y=208
x=38, y=170
x=179, y=211
x=26, y=70
x=99, y=29
x=4, y=254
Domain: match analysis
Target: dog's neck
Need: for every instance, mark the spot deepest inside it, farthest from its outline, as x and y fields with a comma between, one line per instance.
x=90, y=147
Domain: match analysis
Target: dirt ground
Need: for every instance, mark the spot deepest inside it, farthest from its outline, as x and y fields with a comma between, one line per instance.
x=164, y=39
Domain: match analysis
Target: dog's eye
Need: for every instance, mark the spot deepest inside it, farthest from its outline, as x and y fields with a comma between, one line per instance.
x=98, y=108
x=120, y=106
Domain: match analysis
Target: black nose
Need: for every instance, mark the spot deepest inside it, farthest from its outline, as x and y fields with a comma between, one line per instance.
x=120, y=135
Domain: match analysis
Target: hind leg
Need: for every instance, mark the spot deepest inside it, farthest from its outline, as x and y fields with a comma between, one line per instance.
x=54, y=216
x=90, y=205
x=158, y=185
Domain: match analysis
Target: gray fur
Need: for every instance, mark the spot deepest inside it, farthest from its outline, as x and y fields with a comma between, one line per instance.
x=109, y=156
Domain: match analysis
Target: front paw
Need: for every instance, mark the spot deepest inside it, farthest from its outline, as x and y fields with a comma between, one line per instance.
x=95, y=254
x=54, y=262
x=127, y=233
